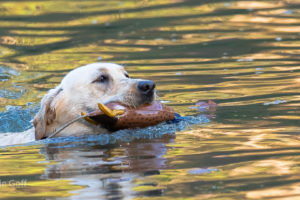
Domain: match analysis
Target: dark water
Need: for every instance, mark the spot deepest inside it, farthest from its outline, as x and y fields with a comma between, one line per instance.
x=244, y=55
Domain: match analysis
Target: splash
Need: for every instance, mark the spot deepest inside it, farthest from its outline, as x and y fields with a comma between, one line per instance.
x=128, y=135
x=16, y=118
x=8, y=123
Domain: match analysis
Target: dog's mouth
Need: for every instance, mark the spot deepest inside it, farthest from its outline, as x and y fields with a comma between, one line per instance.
x=136, y=100
x=142, y=102
x=148, y=98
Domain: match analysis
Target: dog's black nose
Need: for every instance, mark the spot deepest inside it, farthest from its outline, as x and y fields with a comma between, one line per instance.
x=146, y=87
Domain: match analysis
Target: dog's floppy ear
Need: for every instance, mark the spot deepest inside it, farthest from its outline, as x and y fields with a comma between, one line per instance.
x=46, y=114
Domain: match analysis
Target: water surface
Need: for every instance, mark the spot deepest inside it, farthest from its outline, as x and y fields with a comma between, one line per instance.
x=244, y=55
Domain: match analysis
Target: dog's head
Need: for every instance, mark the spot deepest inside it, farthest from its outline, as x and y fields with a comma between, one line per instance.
x=105, y=82
x=84, y=87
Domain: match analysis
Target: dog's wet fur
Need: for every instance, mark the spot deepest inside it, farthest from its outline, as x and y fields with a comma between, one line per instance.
x=80, y=91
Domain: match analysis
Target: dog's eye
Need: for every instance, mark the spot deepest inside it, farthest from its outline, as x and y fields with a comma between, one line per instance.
x=102, y=79
x=126, y=75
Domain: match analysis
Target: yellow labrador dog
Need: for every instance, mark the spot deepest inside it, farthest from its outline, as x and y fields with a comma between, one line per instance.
x=80, y=91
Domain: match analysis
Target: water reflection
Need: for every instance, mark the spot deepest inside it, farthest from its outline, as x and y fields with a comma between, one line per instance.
x=242, y=54
x=107, y=171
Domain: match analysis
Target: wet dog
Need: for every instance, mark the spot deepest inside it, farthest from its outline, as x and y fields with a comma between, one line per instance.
x=80, y=91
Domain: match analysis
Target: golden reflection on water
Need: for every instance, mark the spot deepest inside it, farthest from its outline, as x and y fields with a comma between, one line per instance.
x=253, y=156
x=20, y=172
x=242, y=54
